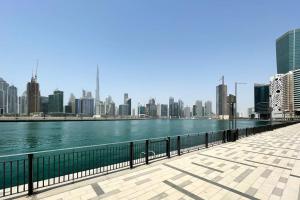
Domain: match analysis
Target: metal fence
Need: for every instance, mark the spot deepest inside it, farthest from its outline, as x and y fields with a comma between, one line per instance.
x=28, y=172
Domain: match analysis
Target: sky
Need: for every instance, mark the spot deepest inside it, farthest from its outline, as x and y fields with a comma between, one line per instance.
x=157, y=48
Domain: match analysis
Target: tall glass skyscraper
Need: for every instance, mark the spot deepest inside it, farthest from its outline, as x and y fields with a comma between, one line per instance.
x=288, y=51
x=261, y=100
x=56, y=102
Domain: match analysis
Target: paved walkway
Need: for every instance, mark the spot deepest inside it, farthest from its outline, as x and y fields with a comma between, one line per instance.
x=264, y=166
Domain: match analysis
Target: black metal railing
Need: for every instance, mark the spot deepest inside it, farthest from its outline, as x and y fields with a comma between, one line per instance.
x=28, y=172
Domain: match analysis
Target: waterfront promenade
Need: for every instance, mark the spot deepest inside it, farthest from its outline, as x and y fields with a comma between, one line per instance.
x=263, y=166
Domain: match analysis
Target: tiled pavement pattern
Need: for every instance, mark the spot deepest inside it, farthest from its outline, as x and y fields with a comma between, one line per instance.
x=264, y=166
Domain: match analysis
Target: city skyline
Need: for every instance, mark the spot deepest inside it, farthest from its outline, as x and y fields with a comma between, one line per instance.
x=32, y=102
x=147, y=62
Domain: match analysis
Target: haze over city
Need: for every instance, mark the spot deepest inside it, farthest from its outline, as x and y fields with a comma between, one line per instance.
x=147, y=49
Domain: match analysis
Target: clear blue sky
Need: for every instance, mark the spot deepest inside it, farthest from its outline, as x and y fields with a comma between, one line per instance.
x=146, y=48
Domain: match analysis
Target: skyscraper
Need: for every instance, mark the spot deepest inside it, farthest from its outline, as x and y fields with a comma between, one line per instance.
x=261, y=100
x=288, y=94
x=44, y=104
x=78, y=107
x=12, y=100
x=127, y=101
x=23, y=104
x=199, y=109
x=288, y=51
x=151, y=109
x=221, y=100
x=171, y=107
x=123, y=110
x=56, y=102
x=276, y=95
x=3, y=96
x=125, y=97
x=72, y=103
x=33, y=95
x=109, y=107
x=180, y=108
x=87, y=103
x=97, y=100
x=208, y=108
x=164, y=110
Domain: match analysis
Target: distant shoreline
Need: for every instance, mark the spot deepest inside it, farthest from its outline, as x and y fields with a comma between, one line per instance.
x=78, y=119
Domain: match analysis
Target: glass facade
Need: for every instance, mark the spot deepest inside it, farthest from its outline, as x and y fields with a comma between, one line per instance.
x=288, y=51
x=261, y=98
x=56, y=102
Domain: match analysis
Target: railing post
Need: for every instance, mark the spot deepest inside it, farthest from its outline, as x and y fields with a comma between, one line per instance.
x=147, y=152
x=168, y=147
x=131, y=155
x=224, y=136
x=246, y=132
x=178, y=145
x=206, y=140
x=228, y=133
x=30, y=174
x=236, y=134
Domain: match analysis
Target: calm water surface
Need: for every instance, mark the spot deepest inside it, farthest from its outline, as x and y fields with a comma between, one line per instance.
x=22, y=137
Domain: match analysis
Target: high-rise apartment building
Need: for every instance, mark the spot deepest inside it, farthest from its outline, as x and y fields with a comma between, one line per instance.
x=33, y=95
x=288, y=94
x=3, y=96
x=221, y=100
x=288, y=51
x=285, y=94
x=12, y=101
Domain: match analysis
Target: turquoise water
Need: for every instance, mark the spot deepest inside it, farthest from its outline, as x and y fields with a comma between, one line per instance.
x=23, y=137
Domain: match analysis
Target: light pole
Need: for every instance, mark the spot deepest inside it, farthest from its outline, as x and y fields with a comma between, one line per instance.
x=235, y=92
